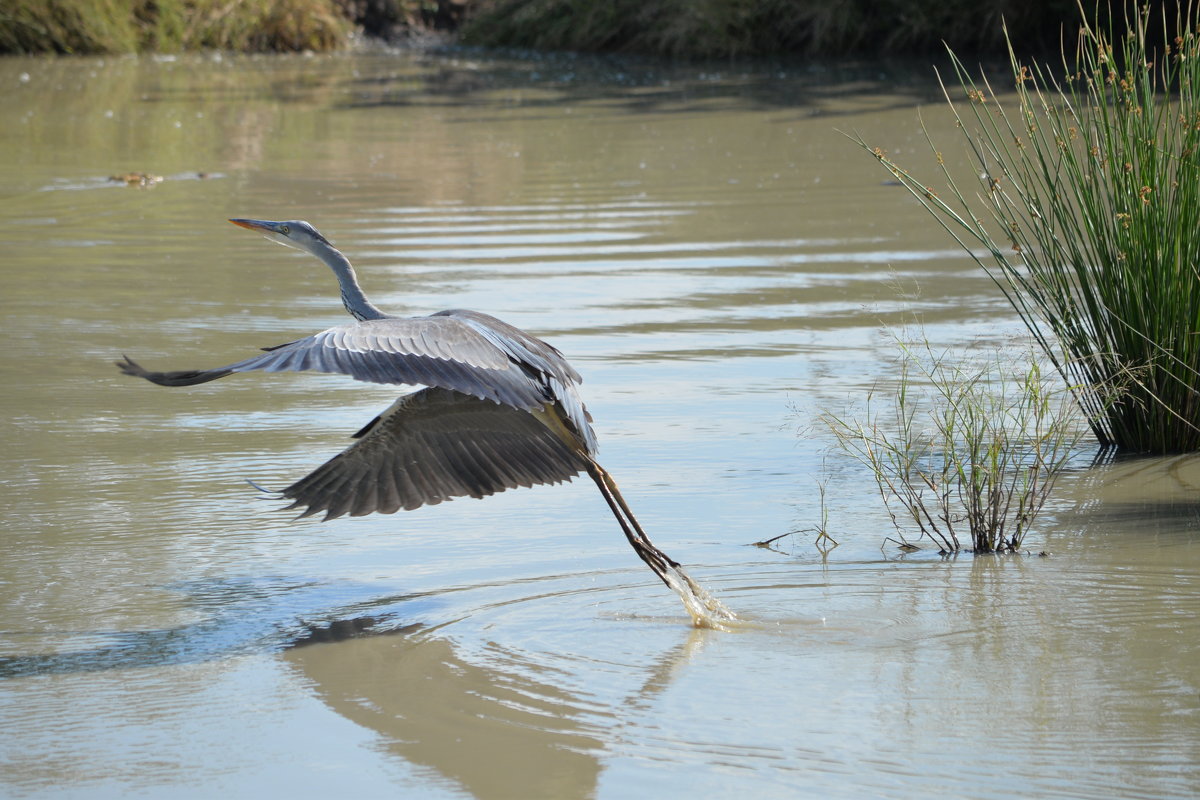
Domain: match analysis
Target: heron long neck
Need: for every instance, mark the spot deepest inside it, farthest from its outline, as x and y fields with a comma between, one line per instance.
x=353, y=298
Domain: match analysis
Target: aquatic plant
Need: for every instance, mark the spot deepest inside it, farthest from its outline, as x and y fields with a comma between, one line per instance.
x=961, y=450
x=1088, y=215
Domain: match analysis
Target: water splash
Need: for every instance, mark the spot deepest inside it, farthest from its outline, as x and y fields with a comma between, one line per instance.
x=705, y=610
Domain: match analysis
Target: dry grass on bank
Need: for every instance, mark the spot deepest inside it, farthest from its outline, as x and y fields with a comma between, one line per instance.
x=128, y=26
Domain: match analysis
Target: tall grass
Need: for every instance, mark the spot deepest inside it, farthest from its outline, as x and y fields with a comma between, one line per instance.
x=128, y=26
x=725, y=28
x=1087, y=211
x=688, y=28
x=963, y=452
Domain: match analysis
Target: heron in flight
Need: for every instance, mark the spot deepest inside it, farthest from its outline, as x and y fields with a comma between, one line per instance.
x=501, y=409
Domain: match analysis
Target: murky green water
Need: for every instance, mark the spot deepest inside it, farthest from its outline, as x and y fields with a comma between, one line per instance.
x=716, y=259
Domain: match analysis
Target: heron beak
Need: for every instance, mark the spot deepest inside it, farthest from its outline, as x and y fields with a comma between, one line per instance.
x=261, y=225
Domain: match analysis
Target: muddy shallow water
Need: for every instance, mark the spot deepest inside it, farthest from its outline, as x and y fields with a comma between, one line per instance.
x=716, y=259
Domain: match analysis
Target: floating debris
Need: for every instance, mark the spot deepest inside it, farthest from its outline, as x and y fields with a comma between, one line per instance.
x=139, y=179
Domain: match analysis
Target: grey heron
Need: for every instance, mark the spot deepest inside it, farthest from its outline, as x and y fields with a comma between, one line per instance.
x=501, y=409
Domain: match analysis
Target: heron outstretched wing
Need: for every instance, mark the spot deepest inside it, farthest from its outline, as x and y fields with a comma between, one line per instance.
x=502, y=411
x=431, y=446
x=463, y=351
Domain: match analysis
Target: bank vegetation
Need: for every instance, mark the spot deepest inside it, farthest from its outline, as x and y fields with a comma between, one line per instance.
x=674, y=28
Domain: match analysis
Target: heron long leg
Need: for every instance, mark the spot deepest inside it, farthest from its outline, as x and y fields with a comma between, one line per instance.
x=709, y=612
x=656, y=559
x=705, y=610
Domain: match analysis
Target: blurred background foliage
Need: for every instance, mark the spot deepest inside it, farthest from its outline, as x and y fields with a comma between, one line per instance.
x=675, y=28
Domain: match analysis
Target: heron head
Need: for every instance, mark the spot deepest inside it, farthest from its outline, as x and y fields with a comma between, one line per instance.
x=293, y=233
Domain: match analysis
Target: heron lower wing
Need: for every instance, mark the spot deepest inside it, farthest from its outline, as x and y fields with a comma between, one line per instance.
x=431, y=446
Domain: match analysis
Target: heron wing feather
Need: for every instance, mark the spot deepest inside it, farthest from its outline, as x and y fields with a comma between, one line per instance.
x=442, y=351
x=431, y=446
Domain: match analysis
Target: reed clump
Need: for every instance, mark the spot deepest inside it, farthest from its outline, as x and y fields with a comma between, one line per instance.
x=963, y=452
x=1086, y=214
x=129, y=26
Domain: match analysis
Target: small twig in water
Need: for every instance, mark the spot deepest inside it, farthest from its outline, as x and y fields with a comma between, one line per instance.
x=905, y=546
x=769, y=542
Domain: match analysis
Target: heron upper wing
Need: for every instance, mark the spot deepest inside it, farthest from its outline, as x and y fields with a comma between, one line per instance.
x=464, y=351
x=431, y=446
x=553, y=368
x=518, y=344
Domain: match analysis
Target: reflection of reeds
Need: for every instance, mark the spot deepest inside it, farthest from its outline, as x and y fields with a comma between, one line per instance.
x=1089, y=212
x=127, y=26
x=964, y=450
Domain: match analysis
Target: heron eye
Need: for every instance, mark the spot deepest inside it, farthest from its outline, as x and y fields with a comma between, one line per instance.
x=285, y=230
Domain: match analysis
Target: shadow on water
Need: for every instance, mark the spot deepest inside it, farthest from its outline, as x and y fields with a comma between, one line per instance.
x=482, y=80
x=549, y=81
x=239, y=617
x=1125, y=488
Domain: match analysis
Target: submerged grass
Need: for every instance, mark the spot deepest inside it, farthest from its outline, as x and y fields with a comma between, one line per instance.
x=964, y=452
x=1088, y=214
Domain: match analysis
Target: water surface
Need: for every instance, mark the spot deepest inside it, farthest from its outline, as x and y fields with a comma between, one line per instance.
x=717, y=259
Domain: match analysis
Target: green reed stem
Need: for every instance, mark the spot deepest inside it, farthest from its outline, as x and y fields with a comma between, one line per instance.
x=1088, y=214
